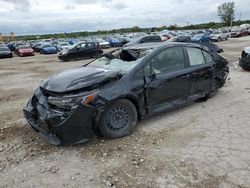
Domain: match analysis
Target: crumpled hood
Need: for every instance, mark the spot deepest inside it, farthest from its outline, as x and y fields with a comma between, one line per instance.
x=78, y=78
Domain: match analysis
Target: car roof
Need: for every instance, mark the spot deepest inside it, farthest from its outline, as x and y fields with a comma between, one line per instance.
x=155, y=45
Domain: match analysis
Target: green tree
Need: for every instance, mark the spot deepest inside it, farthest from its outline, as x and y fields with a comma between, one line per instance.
x=226, y=12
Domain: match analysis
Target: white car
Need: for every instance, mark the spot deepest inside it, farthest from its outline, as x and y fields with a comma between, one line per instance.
x=103, y=43
x=219, y=36
x=63, y=46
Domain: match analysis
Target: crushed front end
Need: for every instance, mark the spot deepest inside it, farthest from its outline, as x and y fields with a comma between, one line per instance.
x=58, y=124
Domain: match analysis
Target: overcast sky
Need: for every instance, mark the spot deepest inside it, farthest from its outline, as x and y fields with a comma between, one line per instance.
x=53, y=16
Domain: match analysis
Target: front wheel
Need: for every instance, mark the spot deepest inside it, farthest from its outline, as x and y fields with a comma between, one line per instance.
x=118, y=120
x=70, y=57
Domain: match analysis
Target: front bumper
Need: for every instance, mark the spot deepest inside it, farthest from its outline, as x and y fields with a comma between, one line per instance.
x=59, y=127
x=26, y=53
x=6, y=55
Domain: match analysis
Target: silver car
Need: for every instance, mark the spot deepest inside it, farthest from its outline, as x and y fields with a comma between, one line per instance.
x=219, y=36
x=63, y=46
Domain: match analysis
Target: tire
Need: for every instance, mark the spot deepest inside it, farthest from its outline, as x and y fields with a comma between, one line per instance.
x=97, y=55
x=118, y=120
x=70, y=57
x=219, y=39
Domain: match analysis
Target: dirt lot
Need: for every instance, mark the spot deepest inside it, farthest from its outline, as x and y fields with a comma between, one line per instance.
x=202, y=145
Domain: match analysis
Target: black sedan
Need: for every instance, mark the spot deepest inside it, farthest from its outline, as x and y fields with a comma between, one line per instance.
x=81, y=50
x=109, y=95
x=5, y=52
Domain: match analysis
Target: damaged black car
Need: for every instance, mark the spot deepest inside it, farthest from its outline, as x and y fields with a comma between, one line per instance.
x=109, y=95
x=245, y=59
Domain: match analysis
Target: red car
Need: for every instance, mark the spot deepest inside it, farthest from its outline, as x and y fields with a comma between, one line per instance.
x=24, y=50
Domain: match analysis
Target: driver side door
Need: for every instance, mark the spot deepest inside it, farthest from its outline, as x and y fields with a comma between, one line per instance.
x=80, y=50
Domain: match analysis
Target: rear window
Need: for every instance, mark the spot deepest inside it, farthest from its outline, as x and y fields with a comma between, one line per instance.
x=207, y=56
x=195, y=56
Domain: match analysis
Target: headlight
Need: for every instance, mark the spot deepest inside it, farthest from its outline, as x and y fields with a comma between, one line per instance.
x=71, y=102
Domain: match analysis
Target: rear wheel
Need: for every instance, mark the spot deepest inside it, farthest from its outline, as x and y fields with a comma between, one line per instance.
x=118, y=120
x=97, y=55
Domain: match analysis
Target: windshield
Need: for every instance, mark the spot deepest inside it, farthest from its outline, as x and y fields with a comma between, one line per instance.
x=4, y=49
x=47, y=46
x=115, y=64
x=236, y=30
x=65, y=44
x=23, y=46
x=216, y=32
x=198, y=36
x=122, y=60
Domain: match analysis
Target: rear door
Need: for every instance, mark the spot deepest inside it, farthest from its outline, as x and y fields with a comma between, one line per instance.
x=167, y=80
x=90, y=49
x=202, y=71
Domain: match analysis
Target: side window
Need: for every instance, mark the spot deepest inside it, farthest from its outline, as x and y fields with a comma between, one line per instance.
x=154, y=39
x=147, y=70
x=90, y=45
x=83, y=45
x=208, y=57
x=170, y=59
x=195, y=56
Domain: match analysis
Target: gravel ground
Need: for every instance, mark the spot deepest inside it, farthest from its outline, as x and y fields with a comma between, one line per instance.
x=201, y=145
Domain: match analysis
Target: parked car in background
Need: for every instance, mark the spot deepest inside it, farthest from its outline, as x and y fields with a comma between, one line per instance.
x=81, y=50
x=16, y=45
x=145, y=39
x=109, y=95
x=37, y=47
x=180, y=39
x=11, y=46
x=245, y=59
x=219, y=36
x=239, y=32
x=2, y=44
x=47, y=48
x=63, y=46
x=24, y=50
x=201, y=37
x=5, y=52
x=114, y=42
x=102, y=42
